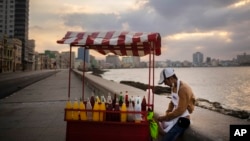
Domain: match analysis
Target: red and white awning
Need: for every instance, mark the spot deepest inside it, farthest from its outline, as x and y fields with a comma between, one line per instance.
x=119, y=43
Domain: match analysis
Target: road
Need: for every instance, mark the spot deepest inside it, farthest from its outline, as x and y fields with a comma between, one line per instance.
x=12, y=82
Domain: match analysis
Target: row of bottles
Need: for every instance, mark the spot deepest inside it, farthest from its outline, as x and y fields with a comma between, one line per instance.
x=120, y=109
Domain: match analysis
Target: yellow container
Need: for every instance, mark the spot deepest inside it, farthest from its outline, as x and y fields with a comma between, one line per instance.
x=68, y=112
x=123, y=115
x=96, y=115
x=83, y=114
x=102, y=108
x=75, y=113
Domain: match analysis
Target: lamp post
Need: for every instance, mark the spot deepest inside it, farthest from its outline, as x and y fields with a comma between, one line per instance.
x=14, y=66
x=1, y=55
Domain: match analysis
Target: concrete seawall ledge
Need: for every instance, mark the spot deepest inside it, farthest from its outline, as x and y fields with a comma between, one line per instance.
x=205, y=125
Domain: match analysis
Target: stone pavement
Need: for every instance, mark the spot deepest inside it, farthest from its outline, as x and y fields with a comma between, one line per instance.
x=36, y=113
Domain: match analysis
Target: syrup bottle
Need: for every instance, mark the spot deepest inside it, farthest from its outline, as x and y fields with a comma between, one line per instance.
x=120, y=99
x=92, y=99
x=137, y=109
x=83, y=115
x=89, y=108
x=116, y=115
x=75, y=113
x=96, y=115
x=68, y=111
x=109, y=107
x=123, y=115
x=126, y=99
x=131, y=116
x=102, y=108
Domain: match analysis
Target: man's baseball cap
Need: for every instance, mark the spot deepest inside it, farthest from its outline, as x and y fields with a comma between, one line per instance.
x=165, y=73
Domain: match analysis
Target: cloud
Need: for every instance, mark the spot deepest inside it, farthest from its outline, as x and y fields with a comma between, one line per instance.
x=216, y=28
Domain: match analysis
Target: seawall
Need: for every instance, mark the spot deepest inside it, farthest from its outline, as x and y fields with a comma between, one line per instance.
x=205, y=125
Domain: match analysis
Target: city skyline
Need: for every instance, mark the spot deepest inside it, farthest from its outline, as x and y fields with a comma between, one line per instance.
x=219, y=29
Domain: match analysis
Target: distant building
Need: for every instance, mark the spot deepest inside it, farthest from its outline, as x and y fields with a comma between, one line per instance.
x=131, y=61
x=10, y=54
x=30, y=54
x=14, y=23
x=186, y=64
x=65, y=59
x=208, y=61
x=243, y=59
x=198, y=59
x=113, y=59
x=80, y=54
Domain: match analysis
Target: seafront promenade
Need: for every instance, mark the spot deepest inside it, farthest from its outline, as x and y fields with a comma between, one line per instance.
x=36, y=112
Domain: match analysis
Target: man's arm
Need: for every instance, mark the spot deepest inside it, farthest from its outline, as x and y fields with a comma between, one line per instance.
x=170, y=107
x=182, y=106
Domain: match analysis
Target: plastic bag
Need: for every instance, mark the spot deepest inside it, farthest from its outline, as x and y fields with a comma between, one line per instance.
x=153, y=126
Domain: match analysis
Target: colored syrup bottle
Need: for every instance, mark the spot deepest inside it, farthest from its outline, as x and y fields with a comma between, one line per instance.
x=123, y=115
x=143, y=104
x=109, y=108
x=120, y=99
x=102, y=108
x=89, y=108
x=109, y=99
x=138, y=109
x=126, y=99
x=114, y=101
x=92, y=99
x=68, y=111
x=131, y=116
x=133, y=101
x=116, y=116
x=83, y=114
x=75, y=112
x=96, y=115
x=144, y=107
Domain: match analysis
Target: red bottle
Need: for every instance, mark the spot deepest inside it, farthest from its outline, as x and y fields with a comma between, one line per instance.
x=114, y=101
x=126, y=99
x=144, y=104
x=92, y=99
x=117, y=109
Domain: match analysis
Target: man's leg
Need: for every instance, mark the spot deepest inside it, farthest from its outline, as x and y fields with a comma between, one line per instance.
x=173, y=133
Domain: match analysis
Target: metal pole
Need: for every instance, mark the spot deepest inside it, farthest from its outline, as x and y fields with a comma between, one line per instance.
x=153, y=88
x=149, y=76
x=83, y=73
x=69, y=72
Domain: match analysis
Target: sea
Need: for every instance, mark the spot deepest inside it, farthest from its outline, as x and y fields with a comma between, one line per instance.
x=230, y=86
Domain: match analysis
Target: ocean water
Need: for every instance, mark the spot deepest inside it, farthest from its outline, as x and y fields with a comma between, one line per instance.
x=229, y=86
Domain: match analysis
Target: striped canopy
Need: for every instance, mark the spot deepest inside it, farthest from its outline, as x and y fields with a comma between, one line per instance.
x=119, y=43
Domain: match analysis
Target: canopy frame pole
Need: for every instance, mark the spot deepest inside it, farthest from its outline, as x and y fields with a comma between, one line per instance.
x=149, y=76
x=83, y=73
x=69, y=84
x=153, y=88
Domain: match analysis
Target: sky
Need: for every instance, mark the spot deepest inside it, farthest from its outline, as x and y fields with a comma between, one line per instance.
x=219, y=29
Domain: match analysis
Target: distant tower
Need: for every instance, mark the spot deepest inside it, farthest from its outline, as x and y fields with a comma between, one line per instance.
x=81, y=54
x=197, y=59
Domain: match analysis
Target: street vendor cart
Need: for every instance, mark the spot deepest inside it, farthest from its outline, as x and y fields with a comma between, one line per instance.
x=122, y=44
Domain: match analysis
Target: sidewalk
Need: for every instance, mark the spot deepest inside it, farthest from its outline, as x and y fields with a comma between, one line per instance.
x=36, y=113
